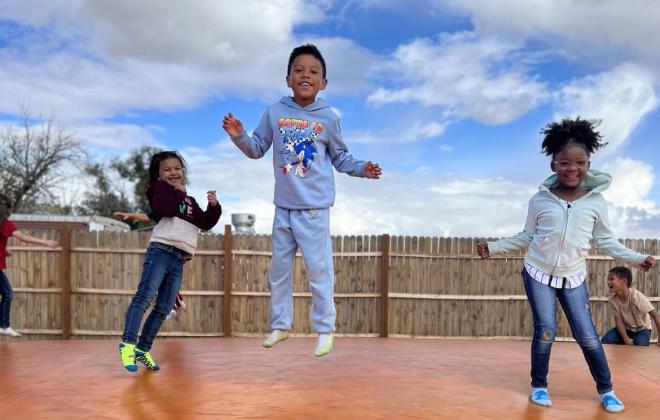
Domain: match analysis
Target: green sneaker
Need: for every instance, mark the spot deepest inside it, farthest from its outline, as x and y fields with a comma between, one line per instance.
x=275, y=337
x=324, y=344
x=145, y=358
x=127, y=352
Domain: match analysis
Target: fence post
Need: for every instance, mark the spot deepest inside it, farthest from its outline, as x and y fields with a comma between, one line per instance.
x=226, y=281
x=385, y=286
x=65, y=276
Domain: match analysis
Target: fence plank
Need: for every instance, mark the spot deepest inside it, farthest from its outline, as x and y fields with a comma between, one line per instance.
x=384, y=286
x=65, y=278
x=227, y=282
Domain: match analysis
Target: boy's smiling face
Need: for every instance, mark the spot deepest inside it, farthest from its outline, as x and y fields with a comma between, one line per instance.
x=306, y=79
x=616, y=284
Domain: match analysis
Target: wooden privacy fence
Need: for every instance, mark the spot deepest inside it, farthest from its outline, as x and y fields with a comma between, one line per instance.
x=384, y=286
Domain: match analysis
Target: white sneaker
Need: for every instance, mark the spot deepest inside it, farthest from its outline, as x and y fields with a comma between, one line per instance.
x=324, y=344
x=11, y=332
x=2, y=331
x=171, y=315
x=275, y=337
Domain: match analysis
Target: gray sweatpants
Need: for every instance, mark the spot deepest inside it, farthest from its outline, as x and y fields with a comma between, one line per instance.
x=308, y=230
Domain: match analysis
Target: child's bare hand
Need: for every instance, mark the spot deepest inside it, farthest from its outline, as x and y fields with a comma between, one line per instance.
x=51, y=244
x=482, y=248
x=232, y=126
x=648, y=264
x=121, y=215
x=372, y=170
x=213, y=199
x=180, y=187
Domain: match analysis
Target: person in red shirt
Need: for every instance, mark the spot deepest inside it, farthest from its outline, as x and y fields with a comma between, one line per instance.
x=7, y=230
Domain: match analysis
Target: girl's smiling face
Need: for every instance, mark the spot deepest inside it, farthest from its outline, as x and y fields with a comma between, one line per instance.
x=571, y=165
x=171, y=171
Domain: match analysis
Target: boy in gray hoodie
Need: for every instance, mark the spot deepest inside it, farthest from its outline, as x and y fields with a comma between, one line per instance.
x=307, y=144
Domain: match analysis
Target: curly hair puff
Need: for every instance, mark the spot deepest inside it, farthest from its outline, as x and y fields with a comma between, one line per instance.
x=578, y=132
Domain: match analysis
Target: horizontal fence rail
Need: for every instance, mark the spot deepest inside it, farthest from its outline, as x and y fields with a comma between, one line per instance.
x=396, y=286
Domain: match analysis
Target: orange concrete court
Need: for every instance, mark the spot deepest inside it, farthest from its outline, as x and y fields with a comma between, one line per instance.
x=362, y=378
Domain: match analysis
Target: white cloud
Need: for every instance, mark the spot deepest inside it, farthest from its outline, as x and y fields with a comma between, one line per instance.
x=430, y=205
x=121, y=137
x=620, y=98
x=631, y=222
x=411, y=132
x=445, y=148
x=601, y=30
x=420, y=131
x=87, y=59
x=466, y=75
x=632, y=182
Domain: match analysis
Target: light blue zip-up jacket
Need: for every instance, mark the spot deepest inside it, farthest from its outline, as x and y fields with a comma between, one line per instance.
x=557, y=233
x=307, y=143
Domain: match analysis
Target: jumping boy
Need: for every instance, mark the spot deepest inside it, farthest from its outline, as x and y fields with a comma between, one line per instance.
x=307, y=144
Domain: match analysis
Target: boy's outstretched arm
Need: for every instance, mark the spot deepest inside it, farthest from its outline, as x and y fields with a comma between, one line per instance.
x=254, y=146
x=24, y=237
x=656, y=319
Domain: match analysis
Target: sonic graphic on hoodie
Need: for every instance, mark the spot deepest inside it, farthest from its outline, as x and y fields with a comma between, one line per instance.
x=307, y=144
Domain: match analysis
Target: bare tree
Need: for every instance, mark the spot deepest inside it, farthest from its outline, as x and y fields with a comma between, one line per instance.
x=104, y=199
x=135, y=168
x=33, y=159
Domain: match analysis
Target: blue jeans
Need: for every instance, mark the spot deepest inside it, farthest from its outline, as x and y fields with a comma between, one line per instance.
x=575, y=302
x=7, y=295
x=640, y=338
x=161, y=275
x=309, y=231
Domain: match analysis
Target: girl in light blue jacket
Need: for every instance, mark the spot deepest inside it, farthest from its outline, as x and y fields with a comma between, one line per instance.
x=567, y=212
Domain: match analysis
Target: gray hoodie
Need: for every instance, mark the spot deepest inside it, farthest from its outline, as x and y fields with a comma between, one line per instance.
x=558, y=233
x=307, y=143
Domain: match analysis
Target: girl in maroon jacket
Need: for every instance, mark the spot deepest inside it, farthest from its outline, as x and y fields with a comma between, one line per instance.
x=174, y=239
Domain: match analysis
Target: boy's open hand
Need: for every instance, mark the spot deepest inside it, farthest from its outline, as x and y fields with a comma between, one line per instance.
x=213, y=199
x=51, y=244
x=648, y=264
x=232, y=126
x=482, y=248
x=372, y=170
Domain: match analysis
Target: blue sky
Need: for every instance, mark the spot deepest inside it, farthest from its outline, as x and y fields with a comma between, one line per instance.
x=447, y=96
